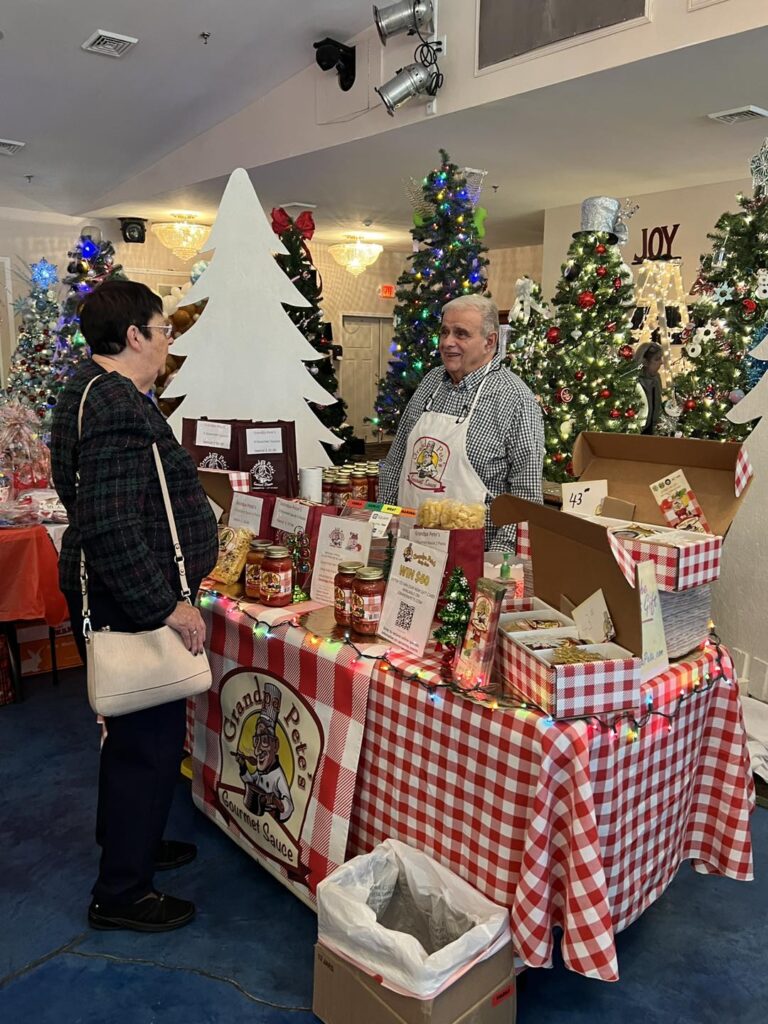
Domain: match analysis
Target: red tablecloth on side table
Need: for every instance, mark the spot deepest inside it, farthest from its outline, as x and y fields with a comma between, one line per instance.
x=29, y=577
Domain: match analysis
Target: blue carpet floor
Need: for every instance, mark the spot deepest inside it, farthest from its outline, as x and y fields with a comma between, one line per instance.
x=696, y=957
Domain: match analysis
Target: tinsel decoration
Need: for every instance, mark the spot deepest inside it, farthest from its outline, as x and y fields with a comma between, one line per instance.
x=20, y=444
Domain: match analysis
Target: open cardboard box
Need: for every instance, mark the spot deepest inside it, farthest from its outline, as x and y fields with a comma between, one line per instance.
x=343, y=994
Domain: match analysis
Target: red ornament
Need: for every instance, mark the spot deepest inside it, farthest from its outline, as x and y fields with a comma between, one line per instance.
x=579, y=375
x=615, y=414
x=600, y=248
x=553, y=335
x=564, y=395
x=611, y=327
x=586, y=300
x=605, y=393
x=689, y=404
x=630, y=414
x=749, y=305
x=626, y=351
x=602, y=271
x=558, y=457
x=617, y=283
x=569, y=469
x=719, y=428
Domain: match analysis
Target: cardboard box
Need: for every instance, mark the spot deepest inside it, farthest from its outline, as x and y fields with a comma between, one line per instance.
x=632, y=462
x=35, y=648
x=343, y=994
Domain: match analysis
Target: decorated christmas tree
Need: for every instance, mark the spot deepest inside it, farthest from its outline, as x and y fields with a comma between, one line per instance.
x=525, y=336
x=454, y=614
x=448, y=262
x=298, y=265
x=727, y=318
x=33, y=376
x=91, y=262
x=584, y=376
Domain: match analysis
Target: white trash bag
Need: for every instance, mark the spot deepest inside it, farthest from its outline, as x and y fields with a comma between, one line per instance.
x=399, y=915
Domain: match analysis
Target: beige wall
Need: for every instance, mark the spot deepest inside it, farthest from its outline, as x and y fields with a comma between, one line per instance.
x=695, y=209
x=507, y=265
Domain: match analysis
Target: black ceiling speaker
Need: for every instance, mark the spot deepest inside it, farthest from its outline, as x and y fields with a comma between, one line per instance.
x=331, y=54
x=133, y=229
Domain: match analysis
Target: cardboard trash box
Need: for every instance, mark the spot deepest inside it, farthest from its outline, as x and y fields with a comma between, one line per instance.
x=343, y=994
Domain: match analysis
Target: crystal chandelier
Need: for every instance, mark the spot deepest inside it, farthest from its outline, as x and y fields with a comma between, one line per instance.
x=356, y=255
x=184, y=238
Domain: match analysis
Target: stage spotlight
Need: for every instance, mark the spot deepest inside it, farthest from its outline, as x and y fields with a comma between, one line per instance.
x=409, y=81
x=331, y=55
x=407, y=16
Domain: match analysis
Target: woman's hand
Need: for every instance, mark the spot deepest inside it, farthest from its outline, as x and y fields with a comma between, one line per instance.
x=188, y=623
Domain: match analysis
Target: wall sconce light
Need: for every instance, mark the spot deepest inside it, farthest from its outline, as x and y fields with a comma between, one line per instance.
x=184, y=238
x=356, y=255
x=405, y=16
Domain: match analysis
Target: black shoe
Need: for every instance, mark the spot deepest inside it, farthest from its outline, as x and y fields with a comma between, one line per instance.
x=172, y=853
x=156, y=912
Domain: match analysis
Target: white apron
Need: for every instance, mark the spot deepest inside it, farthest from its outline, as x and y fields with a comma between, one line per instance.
x=436, y=462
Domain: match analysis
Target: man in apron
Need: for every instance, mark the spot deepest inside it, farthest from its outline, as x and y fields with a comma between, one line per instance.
x=472, y=430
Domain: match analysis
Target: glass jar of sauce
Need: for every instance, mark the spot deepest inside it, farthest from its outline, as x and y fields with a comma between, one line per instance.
x=253, y=561
x=342, y=489
x=359, y=484
x=342, y=592
x=372, y=477
x=328, y=478
x=367, y=598
x=276, y=584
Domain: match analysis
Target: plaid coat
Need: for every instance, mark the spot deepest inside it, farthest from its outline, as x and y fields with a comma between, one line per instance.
x=118, y=513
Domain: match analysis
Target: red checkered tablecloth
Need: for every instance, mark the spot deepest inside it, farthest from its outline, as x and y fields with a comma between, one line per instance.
x=563, y=823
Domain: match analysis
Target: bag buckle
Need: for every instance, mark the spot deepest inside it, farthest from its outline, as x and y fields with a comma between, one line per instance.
x=87, y=628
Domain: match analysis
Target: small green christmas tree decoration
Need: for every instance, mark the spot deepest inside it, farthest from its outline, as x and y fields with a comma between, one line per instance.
x=731, y=307
x=298, y=265
x=586, y=379
x=448, y=262
x=32, y=375
x=525, y=334
x=454, y=614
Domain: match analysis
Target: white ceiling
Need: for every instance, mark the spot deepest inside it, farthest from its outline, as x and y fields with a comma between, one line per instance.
x=92, y=121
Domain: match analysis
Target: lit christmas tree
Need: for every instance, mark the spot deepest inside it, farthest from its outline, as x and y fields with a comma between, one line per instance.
x=454, y=615
x=91, y=263
x=584, y=377
x=449, y=262
x=33, y=376
x=298, y=265
x=727, y=318
x=529, y=319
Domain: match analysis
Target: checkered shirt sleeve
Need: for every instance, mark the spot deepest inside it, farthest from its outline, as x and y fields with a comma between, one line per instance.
x=505, y=442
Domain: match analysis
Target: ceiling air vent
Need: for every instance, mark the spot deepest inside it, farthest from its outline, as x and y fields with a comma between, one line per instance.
x=111, y=44
x=8, y=147
x=739, y=114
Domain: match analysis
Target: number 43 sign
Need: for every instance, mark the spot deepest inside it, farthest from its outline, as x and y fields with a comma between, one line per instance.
x=584, y=498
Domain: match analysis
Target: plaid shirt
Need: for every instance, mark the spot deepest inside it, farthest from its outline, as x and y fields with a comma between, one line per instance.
x=117, y=512
x=505, y=441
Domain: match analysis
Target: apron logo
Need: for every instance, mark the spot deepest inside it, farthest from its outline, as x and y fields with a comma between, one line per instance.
x=429, y=459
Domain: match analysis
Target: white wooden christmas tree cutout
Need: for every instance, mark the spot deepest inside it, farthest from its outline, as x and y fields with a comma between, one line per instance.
x=245, y=359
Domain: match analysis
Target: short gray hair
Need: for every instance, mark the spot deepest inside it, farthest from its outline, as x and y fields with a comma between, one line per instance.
x=485, y=306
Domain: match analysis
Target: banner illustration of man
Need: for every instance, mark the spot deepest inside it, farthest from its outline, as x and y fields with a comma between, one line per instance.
x=266, y=787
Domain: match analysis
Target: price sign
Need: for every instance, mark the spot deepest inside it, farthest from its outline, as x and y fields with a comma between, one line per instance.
x=584, y=498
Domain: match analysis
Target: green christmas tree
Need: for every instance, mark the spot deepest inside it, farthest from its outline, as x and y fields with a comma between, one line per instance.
x=91, y=263
x=584, y=376
x=529, y=320
x=298, y=265
x=454, y=614
x=728, y=318
x=33, y=376
x=448, y=262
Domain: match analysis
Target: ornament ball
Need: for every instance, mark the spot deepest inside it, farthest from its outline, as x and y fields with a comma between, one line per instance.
x=689, y=404
x=626, y=351
x=600, y=248
x=553, y=335
x=601, y=271
x=630, y=414
x=617, y=283
x=558, y=457
x=579, y=375
x=749, y=305
x=615, y=414
x=586, y=300
x=605, y=393
x=611, y=327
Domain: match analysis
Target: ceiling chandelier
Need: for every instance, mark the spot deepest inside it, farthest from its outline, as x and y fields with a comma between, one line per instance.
x=356, y=255
x=184, y=238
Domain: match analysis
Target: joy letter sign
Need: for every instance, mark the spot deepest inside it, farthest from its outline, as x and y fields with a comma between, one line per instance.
x=657, y=243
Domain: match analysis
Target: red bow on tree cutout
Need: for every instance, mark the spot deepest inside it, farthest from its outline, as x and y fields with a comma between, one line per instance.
x=282, y=222
x=305, y=223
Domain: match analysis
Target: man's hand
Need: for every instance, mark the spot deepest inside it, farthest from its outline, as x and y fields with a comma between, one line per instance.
x=188, y=623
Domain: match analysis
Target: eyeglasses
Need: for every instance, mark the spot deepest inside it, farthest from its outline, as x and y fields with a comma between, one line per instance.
x=167, y=329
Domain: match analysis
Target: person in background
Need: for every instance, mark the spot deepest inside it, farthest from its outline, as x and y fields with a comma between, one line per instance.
x=648, y=357
x=472, y=429
x=116, y=513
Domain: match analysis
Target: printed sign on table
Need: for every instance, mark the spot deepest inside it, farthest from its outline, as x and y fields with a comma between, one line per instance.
x=245, y=512
x=213, y=435
x=264, y=441
x=655, y=656
x=289, y=516
x=338, y=540
x=412, y=593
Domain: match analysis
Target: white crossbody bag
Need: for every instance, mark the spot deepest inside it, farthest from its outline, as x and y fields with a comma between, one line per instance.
x=133, y=671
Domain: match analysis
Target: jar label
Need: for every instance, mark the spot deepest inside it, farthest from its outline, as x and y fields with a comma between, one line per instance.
x=360, y=490
x=366, y=607
x=253, y=580
x=342, y=599
x=276, y=584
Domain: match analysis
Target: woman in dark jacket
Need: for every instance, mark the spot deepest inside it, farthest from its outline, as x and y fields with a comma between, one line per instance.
x=117, y=514
x=648, y=358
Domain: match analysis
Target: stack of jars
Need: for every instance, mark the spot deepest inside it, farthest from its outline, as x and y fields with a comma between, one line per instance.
x=358, y=597
x=269, y=573
x=358, y=480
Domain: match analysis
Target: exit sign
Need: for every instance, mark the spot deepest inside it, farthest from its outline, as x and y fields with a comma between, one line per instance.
x=386, y=291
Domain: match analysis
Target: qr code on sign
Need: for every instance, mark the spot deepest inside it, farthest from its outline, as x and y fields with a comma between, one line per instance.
x=404, y=618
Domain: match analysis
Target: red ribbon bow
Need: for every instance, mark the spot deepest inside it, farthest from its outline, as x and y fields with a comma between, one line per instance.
x=305, y=223
x=282, y=222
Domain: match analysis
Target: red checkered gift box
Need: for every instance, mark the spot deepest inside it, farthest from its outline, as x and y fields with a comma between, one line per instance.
x=676, y=568
x=239, y=481
x=523, y=540
x=565, y=691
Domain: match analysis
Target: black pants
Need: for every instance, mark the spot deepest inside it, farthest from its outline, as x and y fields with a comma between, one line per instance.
x=138, y=771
